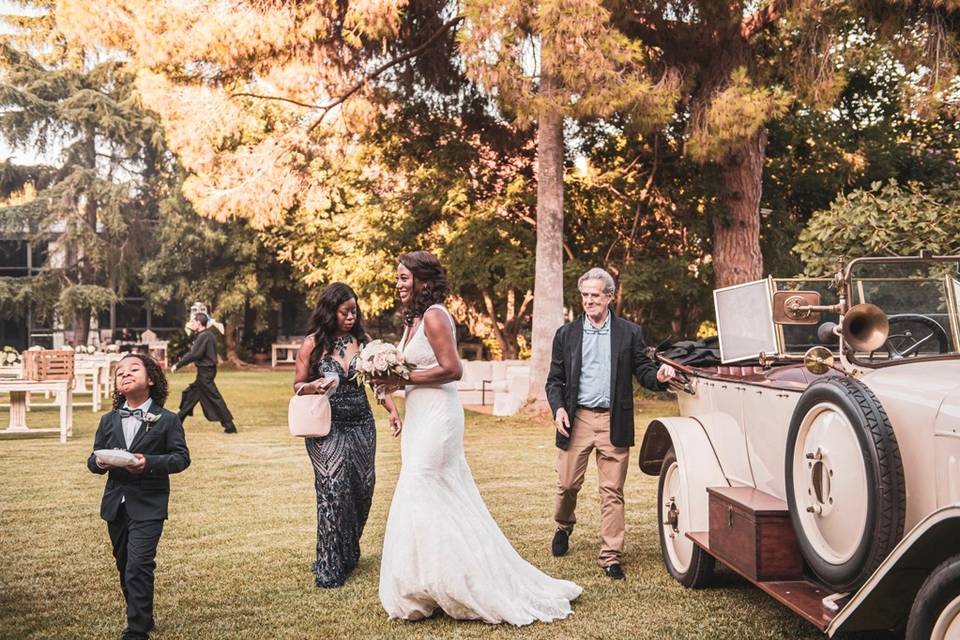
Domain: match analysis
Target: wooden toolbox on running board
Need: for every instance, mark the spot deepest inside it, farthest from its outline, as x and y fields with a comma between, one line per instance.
x=752, y=530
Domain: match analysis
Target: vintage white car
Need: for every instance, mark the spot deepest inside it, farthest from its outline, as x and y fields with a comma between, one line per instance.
x=819, y=457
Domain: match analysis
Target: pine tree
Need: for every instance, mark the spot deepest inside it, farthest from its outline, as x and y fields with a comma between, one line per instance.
x=744, y=63
x=97, y=198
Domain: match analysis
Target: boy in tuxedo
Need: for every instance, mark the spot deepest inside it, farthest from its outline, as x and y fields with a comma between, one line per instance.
x=135, y=497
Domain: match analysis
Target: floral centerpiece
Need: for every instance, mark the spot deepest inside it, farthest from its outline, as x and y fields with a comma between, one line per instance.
x=10, y=356
x=380, y=359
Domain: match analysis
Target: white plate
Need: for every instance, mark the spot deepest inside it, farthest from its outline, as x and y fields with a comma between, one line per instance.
x=116, y=457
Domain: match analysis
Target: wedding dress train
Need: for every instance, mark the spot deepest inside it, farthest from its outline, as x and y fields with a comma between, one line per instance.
x=442, y=548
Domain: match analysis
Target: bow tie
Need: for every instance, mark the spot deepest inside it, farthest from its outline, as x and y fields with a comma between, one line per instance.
x=591, y=330
x=131, y=413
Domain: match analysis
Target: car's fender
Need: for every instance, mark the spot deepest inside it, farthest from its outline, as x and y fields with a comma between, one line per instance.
x=884, y=600
x=698, y=463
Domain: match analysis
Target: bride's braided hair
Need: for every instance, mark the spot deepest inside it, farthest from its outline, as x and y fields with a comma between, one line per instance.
x=432, y=278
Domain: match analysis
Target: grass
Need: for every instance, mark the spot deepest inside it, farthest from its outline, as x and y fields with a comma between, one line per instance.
x=235, y=554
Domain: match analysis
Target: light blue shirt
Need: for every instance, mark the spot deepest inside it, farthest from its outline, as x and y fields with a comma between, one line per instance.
x=595, y=365
x=132, y=425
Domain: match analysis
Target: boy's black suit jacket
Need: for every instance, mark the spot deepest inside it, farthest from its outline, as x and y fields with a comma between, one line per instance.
x=164, y=447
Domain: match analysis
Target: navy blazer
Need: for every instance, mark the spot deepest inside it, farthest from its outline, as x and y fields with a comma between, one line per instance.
x=627, y=359
x=163, y=445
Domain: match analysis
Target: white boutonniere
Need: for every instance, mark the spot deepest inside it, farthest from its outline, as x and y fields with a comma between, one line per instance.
x=149, y=420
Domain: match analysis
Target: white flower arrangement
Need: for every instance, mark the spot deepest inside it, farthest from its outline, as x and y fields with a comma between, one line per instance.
x=10, y=356
x=149, y=420
x=379, y=358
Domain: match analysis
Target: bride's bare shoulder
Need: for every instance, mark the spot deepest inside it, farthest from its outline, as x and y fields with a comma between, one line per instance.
x=437, y=319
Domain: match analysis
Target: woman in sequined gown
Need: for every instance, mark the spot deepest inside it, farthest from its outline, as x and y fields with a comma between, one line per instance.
x=343, y=460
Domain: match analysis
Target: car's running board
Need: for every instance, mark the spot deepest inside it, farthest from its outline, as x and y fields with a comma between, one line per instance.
x=803, y=597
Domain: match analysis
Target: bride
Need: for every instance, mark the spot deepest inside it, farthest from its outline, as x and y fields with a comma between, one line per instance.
x=442, y=549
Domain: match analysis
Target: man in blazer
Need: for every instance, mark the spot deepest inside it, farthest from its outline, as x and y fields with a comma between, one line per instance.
x=590, y=392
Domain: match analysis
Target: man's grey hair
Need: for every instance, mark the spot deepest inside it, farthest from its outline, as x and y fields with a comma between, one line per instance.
x=609, y=286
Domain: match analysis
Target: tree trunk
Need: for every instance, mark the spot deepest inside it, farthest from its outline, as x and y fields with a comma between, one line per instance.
x=508, y=346
x=81, y=326
x=548, y=278
x=85, y=270
x=736, y=232
x=230, y=342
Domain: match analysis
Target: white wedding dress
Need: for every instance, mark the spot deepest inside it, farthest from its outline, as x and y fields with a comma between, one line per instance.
x=442, y=548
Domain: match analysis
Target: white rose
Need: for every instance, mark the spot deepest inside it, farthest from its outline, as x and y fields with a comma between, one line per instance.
x=380, y=362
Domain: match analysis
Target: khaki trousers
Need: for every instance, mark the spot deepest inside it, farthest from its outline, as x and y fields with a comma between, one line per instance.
x=591, y=430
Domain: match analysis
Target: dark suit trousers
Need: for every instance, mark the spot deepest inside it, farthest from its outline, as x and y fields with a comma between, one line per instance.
x=204, y=390
x=135, y=550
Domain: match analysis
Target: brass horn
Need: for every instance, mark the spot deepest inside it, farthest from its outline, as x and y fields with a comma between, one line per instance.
x=865, y=327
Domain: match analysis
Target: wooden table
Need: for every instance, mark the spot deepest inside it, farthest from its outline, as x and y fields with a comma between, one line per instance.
x=98, y=367
x=80, y=372
x=290, y=352
x=18, y=390
x=11, y=371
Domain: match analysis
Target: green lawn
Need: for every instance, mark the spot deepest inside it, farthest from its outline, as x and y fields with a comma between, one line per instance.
x=235, y=555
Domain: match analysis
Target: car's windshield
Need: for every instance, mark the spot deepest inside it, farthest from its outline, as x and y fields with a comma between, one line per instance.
x=921, y=302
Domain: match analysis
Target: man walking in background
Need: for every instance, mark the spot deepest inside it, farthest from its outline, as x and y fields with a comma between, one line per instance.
x=204, y=390
x=590, y=391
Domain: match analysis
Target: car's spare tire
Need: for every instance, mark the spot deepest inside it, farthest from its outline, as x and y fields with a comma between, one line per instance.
x=844, y=481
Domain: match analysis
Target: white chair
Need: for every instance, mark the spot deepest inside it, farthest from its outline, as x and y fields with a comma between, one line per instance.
x=510, y=393
x=470, y=387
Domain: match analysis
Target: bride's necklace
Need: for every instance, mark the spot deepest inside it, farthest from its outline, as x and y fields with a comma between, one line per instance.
x=340, y=344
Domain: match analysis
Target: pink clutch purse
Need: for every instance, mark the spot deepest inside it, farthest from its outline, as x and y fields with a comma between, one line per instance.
x=309, y=416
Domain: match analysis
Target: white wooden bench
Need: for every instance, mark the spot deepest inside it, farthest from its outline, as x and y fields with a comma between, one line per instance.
x=289, y=350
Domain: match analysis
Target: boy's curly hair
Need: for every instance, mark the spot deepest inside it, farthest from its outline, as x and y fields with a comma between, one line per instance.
x=159, y=390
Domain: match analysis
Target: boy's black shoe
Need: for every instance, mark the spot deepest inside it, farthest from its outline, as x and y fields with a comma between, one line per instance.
x=561, y=543
x=614, y=571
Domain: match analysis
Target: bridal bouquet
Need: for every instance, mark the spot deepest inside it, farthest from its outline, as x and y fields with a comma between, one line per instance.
x=377, y=359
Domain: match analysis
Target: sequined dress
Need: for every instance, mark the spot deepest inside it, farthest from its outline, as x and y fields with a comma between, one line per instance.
x=343, y=467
